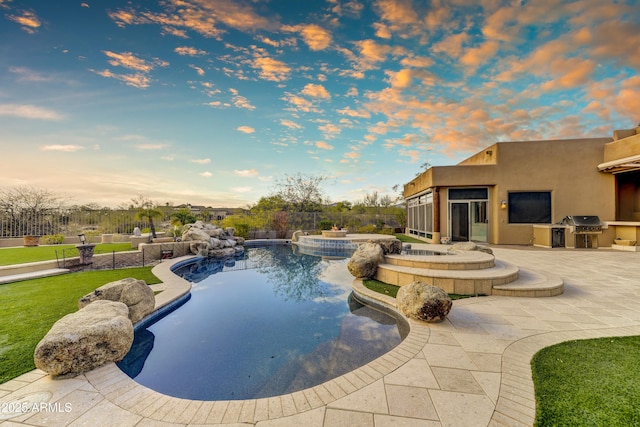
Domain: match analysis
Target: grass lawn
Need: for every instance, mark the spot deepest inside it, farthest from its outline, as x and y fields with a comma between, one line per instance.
x=407, y=239
x=9, y=256
x=392, y=290
x=588, y=383
x=31, y=307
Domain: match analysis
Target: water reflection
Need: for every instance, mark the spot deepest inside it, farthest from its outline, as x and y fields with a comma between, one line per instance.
x=275, y=322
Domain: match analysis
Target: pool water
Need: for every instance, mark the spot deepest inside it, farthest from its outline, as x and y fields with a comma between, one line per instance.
x=271, y=323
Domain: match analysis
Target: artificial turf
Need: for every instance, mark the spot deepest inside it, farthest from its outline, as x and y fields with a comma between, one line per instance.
x=10, y=256
x=592, y=382
x=29, y=308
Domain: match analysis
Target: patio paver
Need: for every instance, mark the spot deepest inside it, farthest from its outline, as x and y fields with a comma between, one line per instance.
x=472, y=369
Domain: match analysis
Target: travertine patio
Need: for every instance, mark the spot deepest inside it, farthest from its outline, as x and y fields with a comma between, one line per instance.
x=470, y=370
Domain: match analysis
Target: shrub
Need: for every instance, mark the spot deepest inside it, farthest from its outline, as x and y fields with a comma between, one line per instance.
x=53, y=239
x=325, y=224
x=367, y=229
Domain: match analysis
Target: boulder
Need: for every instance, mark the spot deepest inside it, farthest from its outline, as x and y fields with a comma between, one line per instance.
x=470, y=246
x=391, y=246
x=424, y=302
x=136, y=294
x=97, y=334
x=194, y=234
x=365, y=260
x=200, y=247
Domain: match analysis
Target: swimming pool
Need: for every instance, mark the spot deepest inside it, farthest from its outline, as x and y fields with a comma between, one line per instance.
x=273, y=322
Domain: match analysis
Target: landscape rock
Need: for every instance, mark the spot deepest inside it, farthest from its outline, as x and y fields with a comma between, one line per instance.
x=136, y=294
x=195, y=234
x=97, y=334
x=365, y=260
x=470, y=246
x=209, y=240
x=421, y=301
x=391, y=246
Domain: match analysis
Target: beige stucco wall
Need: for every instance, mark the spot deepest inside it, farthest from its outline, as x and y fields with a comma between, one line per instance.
x=567, y=168
x=622, y=148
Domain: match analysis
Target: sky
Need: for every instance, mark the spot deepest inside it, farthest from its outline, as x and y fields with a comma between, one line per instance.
x=213, y=102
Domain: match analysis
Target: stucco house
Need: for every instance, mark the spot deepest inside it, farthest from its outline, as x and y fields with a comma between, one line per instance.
x=519, y=192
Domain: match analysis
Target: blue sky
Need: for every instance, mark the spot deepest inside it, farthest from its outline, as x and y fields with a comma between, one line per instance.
x=212, y=101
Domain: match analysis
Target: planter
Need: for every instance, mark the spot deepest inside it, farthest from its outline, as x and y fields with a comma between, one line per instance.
x=86, y=253
x=31, y=240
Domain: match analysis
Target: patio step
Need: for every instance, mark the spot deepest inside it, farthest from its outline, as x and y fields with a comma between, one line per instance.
x=501, y=279
x=531, y=284
x=32, y=275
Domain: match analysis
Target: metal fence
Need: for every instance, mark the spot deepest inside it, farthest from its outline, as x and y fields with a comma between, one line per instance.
x=69, y=222
x=110, y=260
x=107, y=221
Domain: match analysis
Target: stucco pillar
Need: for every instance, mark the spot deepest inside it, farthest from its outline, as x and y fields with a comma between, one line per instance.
x=436, y=215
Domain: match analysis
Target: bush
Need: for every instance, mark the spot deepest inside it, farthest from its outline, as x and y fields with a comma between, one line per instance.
x=367, y=229
x=325, y=224
x=53, y=239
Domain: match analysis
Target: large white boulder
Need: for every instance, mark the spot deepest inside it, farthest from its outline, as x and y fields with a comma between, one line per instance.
x=365, y=260
x=136, y=294
x=99, y=333
x=421, y=301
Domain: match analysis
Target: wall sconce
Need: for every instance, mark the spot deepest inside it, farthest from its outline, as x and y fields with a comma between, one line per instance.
x=503, y=204
x=83, y=238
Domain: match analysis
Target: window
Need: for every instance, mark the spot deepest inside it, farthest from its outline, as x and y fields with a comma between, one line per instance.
x=530, y=207
x=468, y=194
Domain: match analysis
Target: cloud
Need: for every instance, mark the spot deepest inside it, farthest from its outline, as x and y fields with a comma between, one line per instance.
x=150, y=147
x=371, y=54
x=400, y=79
x=138, y=80
x=27, y=75
x=64, y=148
x=205, y=17
x=206, y=174
x=189, y=51
x=246, y=173
x=201, y=161
x=245, y=129
x=316, y=37
x=290, y=124
x=300, y=103
x=242, y=189
x=199, y=70
x=26, y=111
x=323, y=145
x=129, y=60
x=398, y=13
x=28, y=20
x=330, y=130
x=315, y=91
x=271, y=69
x=347, y=111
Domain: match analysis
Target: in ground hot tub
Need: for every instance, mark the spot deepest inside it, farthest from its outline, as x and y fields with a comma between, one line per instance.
x=334, y=233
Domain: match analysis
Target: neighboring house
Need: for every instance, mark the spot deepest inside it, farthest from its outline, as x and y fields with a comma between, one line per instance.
x=518, y=192
x=208, y=212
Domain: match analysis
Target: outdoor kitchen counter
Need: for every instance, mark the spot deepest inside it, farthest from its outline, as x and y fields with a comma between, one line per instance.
x=625, y=231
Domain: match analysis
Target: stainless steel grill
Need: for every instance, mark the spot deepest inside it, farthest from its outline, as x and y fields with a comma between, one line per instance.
x=583, y=224
x=585, y=229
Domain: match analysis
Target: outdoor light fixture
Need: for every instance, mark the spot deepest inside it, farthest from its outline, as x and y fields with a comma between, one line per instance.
x=503, y=204
x=83, y=238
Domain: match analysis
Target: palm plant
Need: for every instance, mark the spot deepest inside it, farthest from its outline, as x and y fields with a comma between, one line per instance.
x=149, y=213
